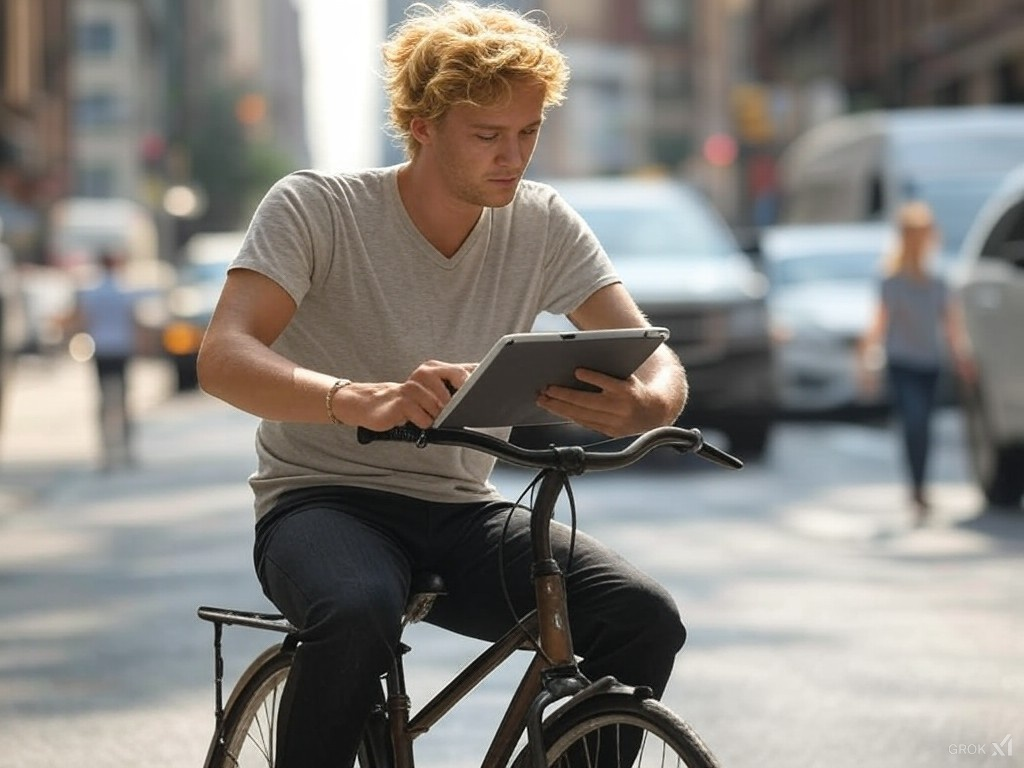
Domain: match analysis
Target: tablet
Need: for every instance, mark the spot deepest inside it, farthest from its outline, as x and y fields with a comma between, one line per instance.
x=502, y=390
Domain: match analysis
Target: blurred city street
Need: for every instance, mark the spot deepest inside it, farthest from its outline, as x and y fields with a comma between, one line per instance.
x=769, y=150
x=824, y=629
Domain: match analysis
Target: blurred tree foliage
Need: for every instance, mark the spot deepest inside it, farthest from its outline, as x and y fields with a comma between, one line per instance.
x=233, y=167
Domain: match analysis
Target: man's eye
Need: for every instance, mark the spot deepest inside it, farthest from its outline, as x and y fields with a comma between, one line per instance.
x=487, y=137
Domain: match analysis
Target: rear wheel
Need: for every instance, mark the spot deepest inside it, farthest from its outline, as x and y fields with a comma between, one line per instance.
x=249, y=734
x=619, y=730
x=249, y=737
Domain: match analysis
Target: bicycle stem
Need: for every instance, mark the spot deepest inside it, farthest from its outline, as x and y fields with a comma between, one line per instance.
x=549, y=581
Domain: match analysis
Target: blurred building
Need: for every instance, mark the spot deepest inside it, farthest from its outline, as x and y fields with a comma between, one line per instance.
x=820, y=57
x=179, y=95
x=650, y=84
x=118, y=97
x=34, y=140
x=814, y=59
x=263, y=55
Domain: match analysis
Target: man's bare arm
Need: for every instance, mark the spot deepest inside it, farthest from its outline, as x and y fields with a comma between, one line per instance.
x=238, y=365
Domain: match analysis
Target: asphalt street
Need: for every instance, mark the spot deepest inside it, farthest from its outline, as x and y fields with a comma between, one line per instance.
x=824, y=628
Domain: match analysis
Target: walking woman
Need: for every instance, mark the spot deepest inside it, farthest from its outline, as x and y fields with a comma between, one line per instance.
x=917, y=321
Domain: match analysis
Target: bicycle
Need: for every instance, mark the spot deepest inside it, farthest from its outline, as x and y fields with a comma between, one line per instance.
x=598, y=721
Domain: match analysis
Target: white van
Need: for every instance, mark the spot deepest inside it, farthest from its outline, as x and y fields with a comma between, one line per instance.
x=861, y=167
x=990, y=282
x=80, y=227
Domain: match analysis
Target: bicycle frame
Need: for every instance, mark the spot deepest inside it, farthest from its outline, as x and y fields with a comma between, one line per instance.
x=551, y=675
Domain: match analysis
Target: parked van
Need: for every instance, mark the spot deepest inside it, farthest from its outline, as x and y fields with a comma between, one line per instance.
x=79, y=227
x=861, y=167
x=990, y=282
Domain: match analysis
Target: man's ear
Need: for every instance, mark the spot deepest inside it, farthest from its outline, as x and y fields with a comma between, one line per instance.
x=421, y=129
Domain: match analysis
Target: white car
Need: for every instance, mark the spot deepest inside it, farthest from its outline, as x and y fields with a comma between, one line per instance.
x=990, y=283
x=823, y=288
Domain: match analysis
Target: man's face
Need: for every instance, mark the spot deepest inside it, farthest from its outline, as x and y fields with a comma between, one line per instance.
x=481, y=153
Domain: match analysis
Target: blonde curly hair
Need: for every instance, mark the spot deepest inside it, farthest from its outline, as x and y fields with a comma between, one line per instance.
x=463, y=53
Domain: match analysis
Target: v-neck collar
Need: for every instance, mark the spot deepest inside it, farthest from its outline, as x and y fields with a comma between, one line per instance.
x=479, y=231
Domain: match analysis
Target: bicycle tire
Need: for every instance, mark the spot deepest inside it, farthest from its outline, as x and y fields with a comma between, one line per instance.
x=248, y=736
x=593, y=734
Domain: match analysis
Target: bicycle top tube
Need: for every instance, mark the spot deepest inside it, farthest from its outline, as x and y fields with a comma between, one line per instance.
x=570, y=459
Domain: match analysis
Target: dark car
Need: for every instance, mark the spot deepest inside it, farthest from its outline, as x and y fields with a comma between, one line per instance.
x=687, y=272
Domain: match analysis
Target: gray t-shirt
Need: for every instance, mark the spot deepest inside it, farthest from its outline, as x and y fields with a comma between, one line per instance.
x=375, y=299
x=915, y=310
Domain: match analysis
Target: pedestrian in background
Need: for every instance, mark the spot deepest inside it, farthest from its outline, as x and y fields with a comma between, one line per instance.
x=916, y=322
x=105, y=311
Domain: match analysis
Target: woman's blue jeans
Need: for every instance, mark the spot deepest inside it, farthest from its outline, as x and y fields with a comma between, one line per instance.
x=912, y=391
x=337, y=562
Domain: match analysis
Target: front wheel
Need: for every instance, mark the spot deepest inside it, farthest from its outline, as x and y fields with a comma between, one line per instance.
x=618, y=730
x=998, y=469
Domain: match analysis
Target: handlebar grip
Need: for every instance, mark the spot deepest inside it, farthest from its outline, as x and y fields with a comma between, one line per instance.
x=718, y=456
x=407, y=433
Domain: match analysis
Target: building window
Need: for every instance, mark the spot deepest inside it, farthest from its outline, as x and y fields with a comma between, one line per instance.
x=95, y=38
x=97, y=110
x=94, y=181
x=665, y=17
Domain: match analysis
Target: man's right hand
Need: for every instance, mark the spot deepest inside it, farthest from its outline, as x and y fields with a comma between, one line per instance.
x=417, y=400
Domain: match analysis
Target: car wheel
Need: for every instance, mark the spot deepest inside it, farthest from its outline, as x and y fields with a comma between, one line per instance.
x=186, y=377
x=998, y=469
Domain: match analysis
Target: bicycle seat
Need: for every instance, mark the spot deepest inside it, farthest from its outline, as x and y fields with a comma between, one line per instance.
x=424, y=588
x=425, y=582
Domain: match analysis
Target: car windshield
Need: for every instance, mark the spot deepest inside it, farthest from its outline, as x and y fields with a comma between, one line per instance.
x=855, y=266
x=658, y=230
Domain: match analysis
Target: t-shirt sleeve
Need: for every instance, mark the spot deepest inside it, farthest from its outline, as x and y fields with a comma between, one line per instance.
x=577, y=264
x=283, y=241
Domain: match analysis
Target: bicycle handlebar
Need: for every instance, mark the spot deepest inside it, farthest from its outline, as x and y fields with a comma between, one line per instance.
x=573, y=459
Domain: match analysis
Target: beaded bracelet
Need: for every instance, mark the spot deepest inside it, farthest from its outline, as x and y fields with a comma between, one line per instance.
x=338, y=384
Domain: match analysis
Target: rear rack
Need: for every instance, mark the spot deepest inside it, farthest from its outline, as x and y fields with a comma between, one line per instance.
x=275, y=622
x=220, y=617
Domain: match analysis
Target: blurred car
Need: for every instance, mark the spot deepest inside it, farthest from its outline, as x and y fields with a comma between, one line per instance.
x=823, y=288
x=861, y=167
x=202, y=270
x=686, y=271
x=990, y=285
x=13, y=325
x=48, y=294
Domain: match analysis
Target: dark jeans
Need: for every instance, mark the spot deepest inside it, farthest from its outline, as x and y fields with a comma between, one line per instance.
x=913, y=401
x=337, y=562
x=114, y=419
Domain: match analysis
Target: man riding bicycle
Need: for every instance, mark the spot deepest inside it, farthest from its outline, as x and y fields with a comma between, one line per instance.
x=360, y=299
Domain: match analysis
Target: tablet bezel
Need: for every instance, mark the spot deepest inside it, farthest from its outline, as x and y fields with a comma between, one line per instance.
x=502, y=390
